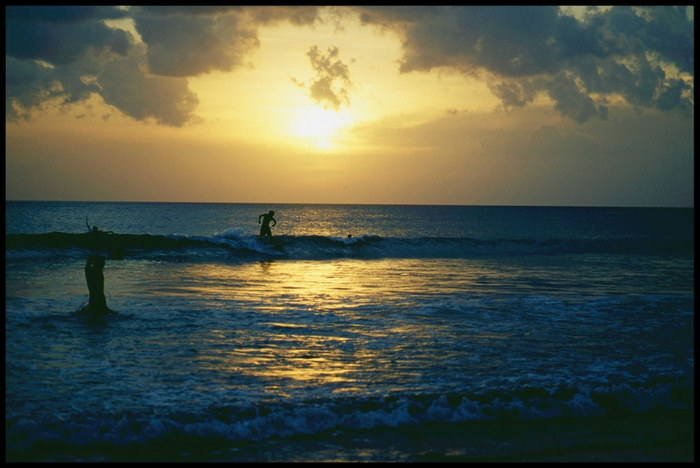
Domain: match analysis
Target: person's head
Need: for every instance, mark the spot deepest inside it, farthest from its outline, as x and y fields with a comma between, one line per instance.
x=94, y=229
x=272, y=213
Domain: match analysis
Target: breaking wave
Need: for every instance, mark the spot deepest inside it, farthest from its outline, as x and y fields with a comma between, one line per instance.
x=232, y=245
x=256, y=422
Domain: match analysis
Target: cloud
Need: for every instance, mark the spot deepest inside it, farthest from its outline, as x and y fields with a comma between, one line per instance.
x=51, y=51
x=297, y=15
x=60, y=35
x=165, y=99
x=190, y=44
x=643, y=54
x=64, y=54
x=330, y=86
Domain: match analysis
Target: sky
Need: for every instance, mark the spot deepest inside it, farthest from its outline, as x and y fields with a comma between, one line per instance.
x=440, y=105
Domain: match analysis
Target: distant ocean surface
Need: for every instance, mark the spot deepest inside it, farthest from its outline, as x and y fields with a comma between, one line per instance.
x=360, y=333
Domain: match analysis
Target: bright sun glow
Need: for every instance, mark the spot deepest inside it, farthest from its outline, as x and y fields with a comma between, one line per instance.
x=317, y=125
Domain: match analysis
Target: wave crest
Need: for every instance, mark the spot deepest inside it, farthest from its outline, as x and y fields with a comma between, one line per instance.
x=233, y=244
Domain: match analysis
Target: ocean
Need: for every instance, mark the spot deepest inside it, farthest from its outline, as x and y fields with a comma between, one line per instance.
x=358, y=333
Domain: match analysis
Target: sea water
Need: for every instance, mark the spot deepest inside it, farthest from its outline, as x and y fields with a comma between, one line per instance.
x=358, y=333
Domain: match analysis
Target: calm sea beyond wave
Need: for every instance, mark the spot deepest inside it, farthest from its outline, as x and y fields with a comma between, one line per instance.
x=357, y=333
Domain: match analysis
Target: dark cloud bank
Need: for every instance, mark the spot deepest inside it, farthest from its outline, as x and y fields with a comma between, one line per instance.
x=68, y=53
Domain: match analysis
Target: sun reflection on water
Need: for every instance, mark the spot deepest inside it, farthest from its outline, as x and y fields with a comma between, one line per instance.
x=341, y=325
x=305, y=330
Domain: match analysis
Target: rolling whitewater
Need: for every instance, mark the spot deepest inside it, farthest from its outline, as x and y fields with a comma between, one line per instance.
x=356, y=333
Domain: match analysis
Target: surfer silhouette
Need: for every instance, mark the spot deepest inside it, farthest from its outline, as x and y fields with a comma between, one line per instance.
x=94, y=229
x=265, y=218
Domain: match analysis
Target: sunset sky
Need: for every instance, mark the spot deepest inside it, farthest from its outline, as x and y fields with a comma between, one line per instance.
x=386, y=105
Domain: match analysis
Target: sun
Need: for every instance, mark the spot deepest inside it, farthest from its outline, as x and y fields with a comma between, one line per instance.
x=318, y=126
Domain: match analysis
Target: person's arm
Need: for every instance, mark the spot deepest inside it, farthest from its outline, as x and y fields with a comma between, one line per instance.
x=260, y=217
x=274, y=221
x=87, y=224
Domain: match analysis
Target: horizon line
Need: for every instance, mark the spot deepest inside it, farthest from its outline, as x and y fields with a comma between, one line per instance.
x=357, y=204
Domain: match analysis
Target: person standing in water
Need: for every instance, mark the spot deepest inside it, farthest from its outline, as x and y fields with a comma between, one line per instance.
x=97, y=304
x=265, y=218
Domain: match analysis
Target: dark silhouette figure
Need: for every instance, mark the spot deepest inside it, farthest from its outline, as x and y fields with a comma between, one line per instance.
x=94, y=229
x=265, y=228
x=97, y=304
x=99, y=242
